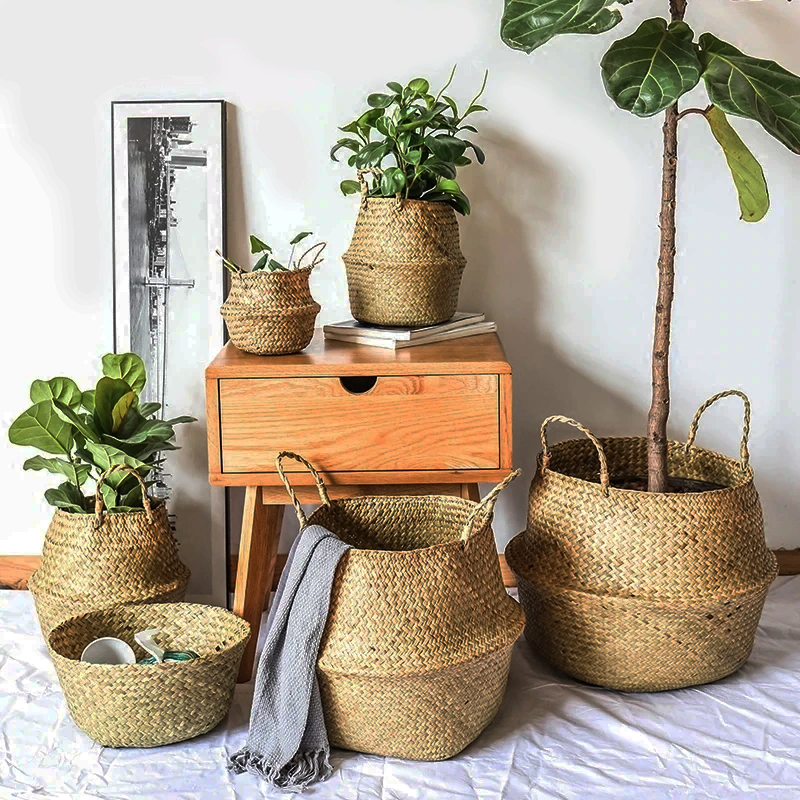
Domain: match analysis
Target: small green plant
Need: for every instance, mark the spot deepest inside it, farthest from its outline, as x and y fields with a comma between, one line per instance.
x=89, y=432
x=268, y=264
x=422, y=133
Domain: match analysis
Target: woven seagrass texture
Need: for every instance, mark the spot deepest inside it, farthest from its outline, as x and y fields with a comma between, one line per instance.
x=414, y=658
x=404, y=263
x=635, y=590
x=271, y=313
x=93, y=561
x=147, y=705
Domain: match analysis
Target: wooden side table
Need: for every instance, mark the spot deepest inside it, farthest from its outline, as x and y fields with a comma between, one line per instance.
x=433, y=419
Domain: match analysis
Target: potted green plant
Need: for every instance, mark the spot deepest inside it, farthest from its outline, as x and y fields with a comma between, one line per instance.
x=113, y=544
x=690, y=513
x=404, y=262
x=270, y=310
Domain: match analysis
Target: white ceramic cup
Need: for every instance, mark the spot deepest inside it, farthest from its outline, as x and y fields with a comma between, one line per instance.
x=108, y=650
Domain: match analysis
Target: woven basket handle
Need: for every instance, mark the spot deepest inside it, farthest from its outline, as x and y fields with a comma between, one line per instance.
x=744, y=453
x=323, y=492
x=365, y=186
x=99, y=506
x=485, y=508
x=601, y=454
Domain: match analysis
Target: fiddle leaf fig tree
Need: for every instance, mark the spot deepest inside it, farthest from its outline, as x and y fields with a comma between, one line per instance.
x=86, y=433
x=646, y=73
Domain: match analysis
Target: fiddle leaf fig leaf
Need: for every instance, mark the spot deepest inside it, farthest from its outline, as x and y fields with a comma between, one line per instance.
x=41, y=427
x=113, y=398
x=748, y=176
x=127, y=367
x=646, y=72
x=148, y=409
x=64, y=389
x=528, y=24
x=105, y=456
x=87, y=400
x=753, y=88
x=66, y=496
x=80, y=421
x=74, y=473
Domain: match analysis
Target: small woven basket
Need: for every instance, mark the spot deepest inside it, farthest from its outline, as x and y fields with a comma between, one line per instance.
x=271, y=313
x=404, y=262
x=148, y=705
x=415, y=654
x=641, y=591
x=92, y=561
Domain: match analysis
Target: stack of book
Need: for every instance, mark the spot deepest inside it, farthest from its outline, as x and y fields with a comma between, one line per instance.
x=462, y=324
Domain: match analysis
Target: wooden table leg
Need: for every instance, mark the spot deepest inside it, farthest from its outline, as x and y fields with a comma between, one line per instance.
x=470, y=491
x=258, y=549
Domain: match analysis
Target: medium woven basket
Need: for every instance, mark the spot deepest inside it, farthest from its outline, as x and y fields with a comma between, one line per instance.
x=642, y=591
x=414, y=658
x=147, y=705
x=92, y=561
x=271, y=313
x=404, y=262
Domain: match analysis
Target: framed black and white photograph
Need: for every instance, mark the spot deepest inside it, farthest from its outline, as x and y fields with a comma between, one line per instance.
x=168, y=219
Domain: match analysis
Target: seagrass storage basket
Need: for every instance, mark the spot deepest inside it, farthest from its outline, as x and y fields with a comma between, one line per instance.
x=93, y=561
x=415, y=654
x=641, y=591
x=271, y=313
x=147, y=705
x=404, y=262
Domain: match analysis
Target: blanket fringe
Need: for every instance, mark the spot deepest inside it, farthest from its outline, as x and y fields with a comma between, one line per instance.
x=296, y=775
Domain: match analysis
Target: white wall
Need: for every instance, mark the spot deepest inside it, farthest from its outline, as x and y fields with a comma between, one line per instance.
x=562, y=241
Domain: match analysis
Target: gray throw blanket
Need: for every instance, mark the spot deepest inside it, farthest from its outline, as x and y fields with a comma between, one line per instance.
x=287, y=744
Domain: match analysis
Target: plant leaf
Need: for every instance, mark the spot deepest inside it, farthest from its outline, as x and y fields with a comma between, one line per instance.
x=147, y=409
x=105, y=456
x=87, y=400
x=349, y=187
x=81, y=422
x=300, y=237
x=128, y=367
x=392, y=181
x=379, y=100
x=419, y=86
x=479, y=154
x=753, y=88
x=646, y=72
x=68, y=497
x=395, y=87
x=261, y=263
x=528, y=24
x=74, y=473
x=41, y=427
x=748, y=176
x=350, y=144
x=257, y=246
x=111, y=397
x=371, y=154
x=275, y=266
x=185, y=418
x=64, y=389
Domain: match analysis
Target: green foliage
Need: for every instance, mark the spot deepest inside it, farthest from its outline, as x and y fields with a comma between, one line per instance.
x=267, y=263
x=648, y=71
x=94, y=430
x=748, y=177
x=422, y=133
x=753, y=88
x=528, y=24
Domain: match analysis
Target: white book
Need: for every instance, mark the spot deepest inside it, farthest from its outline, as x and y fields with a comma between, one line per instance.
x=353, y=328
x=392, y=344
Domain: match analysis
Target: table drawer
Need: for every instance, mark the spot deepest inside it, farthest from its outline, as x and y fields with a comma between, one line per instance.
x=403, y=422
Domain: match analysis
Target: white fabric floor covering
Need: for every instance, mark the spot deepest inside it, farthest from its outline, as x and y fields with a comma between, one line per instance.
x=553, y=737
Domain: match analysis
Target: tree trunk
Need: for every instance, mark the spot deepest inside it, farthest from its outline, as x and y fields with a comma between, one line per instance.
x=657, y=472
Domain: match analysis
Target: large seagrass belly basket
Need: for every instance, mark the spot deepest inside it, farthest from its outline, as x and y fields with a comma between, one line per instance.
x=641, y=591
x=404, y=262
x=414, y=658
x=95, y=561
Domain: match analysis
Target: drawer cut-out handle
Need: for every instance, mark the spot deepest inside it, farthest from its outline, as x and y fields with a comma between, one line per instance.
x=358, y=384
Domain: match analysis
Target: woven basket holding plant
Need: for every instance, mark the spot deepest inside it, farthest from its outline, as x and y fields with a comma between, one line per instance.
x=114, y=545
x=655, y=577
x=270, y=310
x=404, y=262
